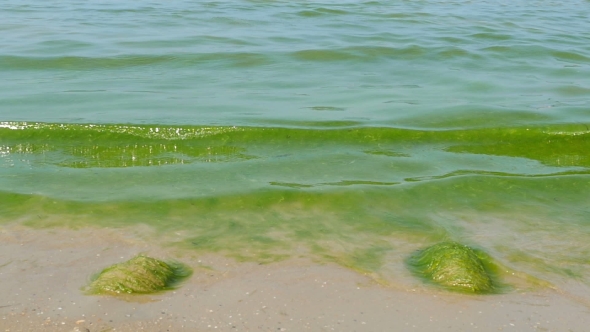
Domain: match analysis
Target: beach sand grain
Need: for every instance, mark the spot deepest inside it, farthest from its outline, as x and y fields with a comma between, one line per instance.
x=43, y=272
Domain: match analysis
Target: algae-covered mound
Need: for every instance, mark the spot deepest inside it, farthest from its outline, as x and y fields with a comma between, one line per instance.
x=139, y=275
x=453, y=266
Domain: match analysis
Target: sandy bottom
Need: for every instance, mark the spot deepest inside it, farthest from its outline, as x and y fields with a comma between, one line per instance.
x=42, y=273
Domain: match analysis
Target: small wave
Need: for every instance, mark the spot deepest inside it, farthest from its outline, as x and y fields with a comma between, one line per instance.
x=319, y=12
x=343, y=183
x=116, y=145
x=571, y=57
x=360, y=53
x=33, y=130
x=327, y=108
x=573, y=90
x=490, y=36
x=79, y=63
x=529, y=52
x=237, y=59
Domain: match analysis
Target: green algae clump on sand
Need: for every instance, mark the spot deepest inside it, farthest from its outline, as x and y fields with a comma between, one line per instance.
x=139, y=275
x=453, y=266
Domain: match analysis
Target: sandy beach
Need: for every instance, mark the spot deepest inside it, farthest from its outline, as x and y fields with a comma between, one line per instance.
x=43, y=271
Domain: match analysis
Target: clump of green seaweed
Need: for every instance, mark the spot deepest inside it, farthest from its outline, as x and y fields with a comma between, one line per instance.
x=139, y=275
x=454, y=266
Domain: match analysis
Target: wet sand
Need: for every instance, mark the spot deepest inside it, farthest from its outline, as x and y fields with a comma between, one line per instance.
x=42, y=273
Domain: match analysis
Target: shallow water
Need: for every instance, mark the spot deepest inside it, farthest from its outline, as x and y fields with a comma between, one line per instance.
x=354, y=132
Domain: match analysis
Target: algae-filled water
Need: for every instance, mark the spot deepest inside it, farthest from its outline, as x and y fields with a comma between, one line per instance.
x=353, y=132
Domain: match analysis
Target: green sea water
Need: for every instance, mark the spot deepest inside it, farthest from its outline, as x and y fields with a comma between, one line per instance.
x=353, y=132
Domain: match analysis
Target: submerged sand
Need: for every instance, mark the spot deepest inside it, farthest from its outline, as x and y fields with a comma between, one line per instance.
x=42, y=273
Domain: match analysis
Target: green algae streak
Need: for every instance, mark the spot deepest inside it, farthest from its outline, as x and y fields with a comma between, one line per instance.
x=454, y=266
x=363, y=197
x=139, y=275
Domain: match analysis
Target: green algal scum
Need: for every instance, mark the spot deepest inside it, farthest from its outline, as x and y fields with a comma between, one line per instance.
x=139, y=275
x=454, y=266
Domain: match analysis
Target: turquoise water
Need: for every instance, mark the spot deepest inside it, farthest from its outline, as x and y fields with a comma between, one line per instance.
x=352, y=132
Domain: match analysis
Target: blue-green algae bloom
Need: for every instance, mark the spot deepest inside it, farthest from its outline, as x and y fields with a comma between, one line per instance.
x=139, y=275
x=453, y=266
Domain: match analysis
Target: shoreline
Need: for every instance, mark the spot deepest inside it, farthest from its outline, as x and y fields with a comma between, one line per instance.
x=43, y=271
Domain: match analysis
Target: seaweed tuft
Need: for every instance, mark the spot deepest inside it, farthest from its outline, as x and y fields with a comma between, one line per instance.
x=453, y=266
x=139, y=275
